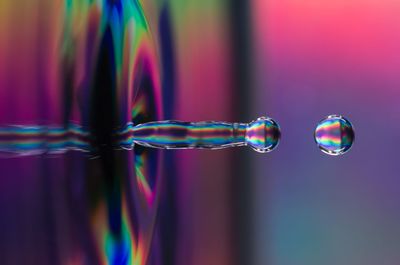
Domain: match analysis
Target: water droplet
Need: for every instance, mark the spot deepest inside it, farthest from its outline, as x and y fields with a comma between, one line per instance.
x=263, y=134
x=334, y=135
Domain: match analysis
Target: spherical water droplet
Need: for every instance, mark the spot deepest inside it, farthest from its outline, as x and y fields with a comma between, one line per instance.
x=334, y=135
x=263, y=134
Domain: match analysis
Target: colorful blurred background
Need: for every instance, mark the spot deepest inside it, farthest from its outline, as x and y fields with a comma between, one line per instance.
x=101, y=64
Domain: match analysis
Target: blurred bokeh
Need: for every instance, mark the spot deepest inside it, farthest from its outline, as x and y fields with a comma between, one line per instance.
x=101, y=64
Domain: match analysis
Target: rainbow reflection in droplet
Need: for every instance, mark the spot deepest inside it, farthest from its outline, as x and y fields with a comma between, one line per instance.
x=334, y=135
x=263, y=134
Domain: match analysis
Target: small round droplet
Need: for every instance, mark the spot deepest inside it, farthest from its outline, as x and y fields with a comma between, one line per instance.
x=334, y=135
x=263, y=134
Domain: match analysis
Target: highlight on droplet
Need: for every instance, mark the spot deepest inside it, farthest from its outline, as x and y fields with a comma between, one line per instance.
x=334, y=135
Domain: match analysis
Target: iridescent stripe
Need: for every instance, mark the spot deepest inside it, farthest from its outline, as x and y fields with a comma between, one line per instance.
x=28, y=140
x=177, y=134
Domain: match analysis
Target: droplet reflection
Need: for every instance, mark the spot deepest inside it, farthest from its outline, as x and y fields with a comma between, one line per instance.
x=263, y=134
x=334, y=135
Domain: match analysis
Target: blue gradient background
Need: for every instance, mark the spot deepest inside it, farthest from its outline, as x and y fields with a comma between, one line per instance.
x=319, y=58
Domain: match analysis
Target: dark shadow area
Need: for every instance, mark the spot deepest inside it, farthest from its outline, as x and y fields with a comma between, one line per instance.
x=241, y=185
